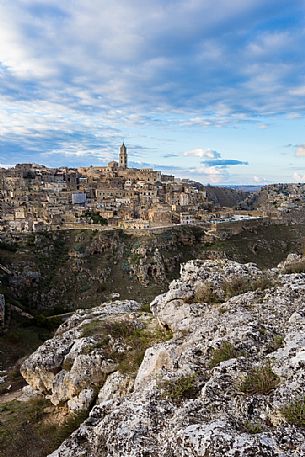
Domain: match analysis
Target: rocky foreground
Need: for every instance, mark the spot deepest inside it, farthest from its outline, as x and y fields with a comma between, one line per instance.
x=222, y=374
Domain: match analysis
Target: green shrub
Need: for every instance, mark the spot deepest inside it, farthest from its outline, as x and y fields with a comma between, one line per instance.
x=294, y=412
x=252, y=427
x=138, y=341
x=226, y=351
x=178, y=389
x=99, y=327
x=259, y=380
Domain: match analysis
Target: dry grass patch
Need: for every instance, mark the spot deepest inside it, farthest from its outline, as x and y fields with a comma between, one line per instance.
x=27, y=429
x=295, y=267
x=226, y=351
x=179, y=389
x=294, y=412
x=204, y=293
x=260, y=380
x=241, y=285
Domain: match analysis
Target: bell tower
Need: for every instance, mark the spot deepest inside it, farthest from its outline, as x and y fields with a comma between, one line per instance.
x=123, y=157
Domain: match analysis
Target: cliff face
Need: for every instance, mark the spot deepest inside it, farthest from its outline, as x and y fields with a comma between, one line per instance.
x=64, y=270
x=57, y=272
x=222, y=373
x=225, y=196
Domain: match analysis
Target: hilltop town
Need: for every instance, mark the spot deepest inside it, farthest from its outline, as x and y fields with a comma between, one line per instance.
x=34, y=197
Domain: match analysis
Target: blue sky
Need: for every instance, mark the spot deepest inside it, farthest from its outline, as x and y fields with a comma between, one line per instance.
x=212, y=90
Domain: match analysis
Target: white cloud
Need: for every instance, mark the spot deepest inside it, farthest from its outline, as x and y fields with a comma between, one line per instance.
x=259, y=179
x=202, y=153
x=210, y=174
x=300, y=150
x=298, y=177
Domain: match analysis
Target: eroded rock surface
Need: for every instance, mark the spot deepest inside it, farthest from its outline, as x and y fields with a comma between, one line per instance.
x=194, y=395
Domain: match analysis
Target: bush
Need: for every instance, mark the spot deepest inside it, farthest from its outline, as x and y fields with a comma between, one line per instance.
x=178, y=389
x=205, y=292
x=294, y=412
x=225, y=352
x=260, y=380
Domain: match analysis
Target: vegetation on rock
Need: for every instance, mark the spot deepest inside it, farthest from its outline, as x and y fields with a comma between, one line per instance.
x=226, y=351
x=294, y=412
x=295, y=267
x=178, y=389
x=135, y=340
x=259, y=380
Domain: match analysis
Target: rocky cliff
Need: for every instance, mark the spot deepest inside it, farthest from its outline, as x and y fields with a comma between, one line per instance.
x=222, y=373
x=62, y=271
x=225, y=196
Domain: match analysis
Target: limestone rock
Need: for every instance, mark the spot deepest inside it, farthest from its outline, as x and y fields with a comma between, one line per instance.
x=71, y=367
x=189, y=398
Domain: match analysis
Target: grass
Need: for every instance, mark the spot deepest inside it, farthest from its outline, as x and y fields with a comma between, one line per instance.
x=226, y=351
x=252, y=427
x=27, y=429
x=13, y=380
x=145, y=308
x=295, y=267
x=260, y=380
x=179, y=389
x=240, y=285
x=206, y=293
x=276, y=343
x=135, y=339
x=294, y=412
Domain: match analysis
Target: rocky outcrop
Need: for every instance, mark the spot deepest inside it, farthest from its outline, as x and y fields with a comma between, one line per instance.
x=71, y=367
x=230, y=382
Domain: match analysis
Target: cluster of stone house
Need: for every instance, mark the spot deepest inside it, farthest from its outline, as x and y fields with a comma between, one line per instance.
x=282, y=198
x=34, y=197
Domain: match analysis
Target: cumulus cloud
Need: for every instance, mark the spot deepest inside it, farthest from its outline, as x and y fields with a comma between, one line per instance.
x=214, y=168
x=109, y=67
x=202, y=153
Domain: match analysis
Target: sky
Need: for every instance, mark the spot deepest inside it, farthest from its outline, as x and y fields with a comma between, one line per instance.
x=210, y=90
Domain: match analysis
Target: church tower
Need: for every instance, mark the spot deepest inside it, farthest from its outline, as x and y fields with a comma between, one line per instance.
x=123, y=157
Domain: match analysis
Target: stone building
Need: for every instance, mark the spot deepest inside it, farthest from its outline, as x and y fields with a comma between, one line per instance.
x=123, y=159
